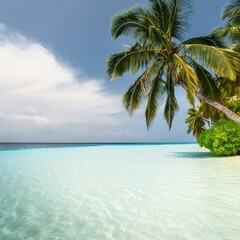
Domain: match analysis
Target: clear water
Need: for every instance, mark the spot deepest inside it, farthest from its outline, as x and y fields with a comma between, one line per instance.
x=148, y=192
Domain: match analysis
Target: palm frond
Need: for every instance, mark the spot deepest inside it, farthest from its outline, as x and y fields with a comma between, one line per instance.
x=229, y=31
x=171, y=106
x=148, y=85
x=179, y=17
x=207, y=82
x=151, y=73
x=187, y=74
x=134, y=96
x=156, y=36
x=224, y=62
x=212, y=40
x=154, y=99
x=161, y=12
x=235, y=47
x=232, y=11
x=138, y=23
x=195, y=122
x=209, y=112
x=131, y=60
x=227, y=88
x=128, y=22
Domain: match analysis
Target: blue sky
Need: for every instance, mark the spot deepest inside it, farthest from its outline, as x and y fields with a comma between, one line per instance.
x=53, y=83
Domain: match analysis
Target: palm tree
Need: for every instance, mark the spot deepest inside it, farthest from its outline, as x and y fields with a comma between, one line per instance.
x=232, y=12
x=231, y=30
x=196, y=122
x=230, y=91
x=166, y=61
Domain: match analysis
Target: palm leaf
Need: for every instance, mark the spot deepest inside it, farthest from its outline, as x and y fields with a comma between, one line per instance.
x=211, y=40
x=179, y=17
x=235, y=47
x=128, y=22
x=137, y=92
x=140, y=24
x=232, y=11
x=207, y=82
x=228, y=89
x=224, y=62
x=154, y=99
x=232, y=32
x=132, y=60
x=171, y=106
x=150, y=73
x=187, y=74
x=209, y=112
x=195, y=122
x=161, y=12
x=156, y=36
x=134, y=96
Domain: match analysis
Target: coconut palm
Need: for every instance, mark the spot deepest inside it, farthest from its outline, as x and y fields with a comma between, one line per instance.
x=231, y=30
x=231, y=11
x=230, y=91
x=165, y=60
x=195, y=121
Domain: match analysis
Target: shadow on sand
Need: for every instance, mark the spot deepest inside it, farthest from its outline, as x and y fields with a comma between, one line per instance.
x=194, y=155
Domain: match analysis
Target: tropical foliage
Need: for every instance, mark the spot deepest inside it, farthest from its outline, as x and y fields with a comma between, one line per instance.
x=166, y=60
x=234, y=104
x=196, y=121
x=222, y=139
x=230, y=90
x=231, y=30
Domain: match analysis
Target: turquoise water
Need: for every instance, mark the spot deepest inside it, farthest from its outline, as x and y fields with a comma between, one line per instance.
x=137, y=192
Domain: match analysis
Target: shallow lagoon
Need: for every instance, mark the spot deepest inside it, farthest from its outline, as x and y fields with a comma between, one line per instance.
x=116, y=192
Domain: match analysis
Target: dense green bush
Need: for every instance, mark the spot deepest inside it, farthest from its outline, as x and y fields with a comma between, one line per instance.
x=222, y=139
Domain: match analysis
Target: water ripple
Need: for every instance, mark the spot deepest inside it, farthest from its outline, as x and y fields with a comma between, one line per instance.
x=119, y=192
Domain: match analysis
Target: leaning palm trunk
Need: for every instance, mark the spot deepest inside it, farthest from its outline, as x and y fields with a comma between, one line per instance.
x=229, y=113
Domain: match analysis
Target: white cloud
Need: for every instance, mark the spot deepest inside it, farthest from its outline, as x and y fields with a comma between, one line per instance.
x=37, y=88
x=44, y=99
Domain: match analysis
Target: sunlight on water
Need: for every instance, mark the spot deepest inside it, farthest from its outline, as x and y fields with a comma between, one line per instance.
x=161, y=192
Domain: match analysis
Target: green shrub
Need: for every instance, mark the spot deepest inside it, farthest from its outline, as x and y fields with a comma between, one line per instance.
x=222, y=139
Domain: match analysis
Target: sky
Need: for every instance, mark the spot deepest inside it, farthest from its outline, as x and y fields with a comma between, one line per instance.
x=53, y=83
